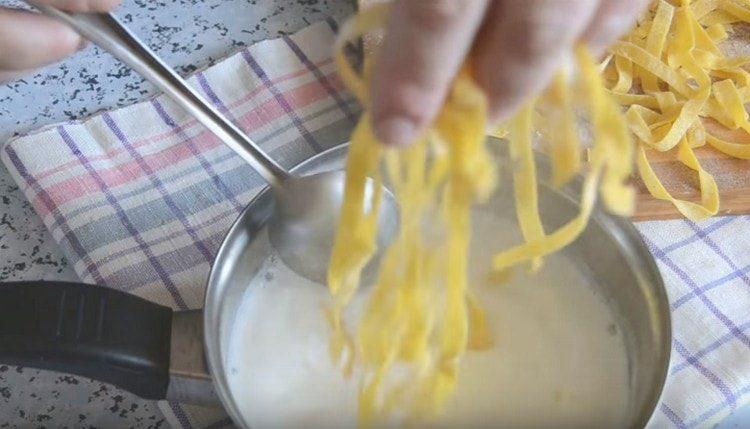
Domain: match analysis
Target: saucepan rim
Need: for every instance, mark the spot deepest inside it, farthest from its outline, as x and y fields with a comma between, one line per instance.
x=629, y=241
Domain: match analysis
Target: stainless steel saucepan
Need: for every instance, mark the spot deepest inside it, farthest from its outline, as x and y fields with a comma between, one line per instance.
x=159, y=354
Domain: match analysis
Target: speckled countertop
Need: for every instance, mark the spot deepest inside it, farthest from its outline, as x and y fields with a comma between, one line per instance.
x=189, y=35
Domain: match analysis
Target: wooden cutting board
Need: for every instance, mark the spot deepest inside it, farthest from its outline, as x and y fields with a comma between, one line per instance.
x=732, y=175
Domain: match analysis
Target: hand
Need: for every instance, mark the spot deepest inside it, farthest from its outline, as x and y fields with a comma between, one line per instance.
x=516, y=47
x=29, y=40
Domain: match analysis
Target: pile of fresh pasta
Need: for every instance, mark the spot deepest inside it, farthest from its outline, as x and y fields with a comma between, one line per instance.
x=657, y=90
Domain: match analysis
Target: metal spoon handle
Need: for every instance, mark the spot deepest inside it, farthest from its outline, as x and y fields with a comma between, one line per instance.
x=106, y=31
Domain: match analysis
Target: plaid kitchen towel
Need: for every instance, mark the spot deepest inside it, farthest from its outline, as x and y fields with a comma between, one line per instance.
x=706, y=268
x=140, y=198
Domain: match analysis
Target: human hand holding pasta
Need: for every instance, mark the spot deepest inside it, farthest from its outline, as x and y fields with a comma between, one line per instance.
x=29, y=40
x=516, y=46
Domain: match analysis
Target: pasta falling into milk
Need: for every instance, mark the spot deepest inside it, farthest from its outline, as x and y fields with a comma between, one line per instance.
x=652, y=93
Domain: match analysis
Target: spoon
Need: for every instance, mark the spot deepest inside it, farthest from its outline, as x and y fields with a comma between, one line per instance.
x=303, y=225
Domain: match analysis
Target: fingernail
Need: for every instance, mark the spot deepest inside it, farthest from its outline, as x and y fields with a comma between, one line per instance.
x=83, y=44
x=396, y=131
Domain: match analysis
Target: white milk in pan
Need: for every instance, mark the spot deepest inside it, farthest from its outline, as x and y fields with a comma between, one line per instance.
x=559, y=359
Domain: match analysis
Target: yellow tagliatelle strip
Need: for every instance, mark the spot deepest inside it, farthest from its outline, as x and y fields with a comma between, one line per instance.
x=678, y=51
x=658, y=85
x=608, y=126
x=709, y=190
x=736, y=150
x=524, y=179
x=352, y=251
x=656, y=41
x=564, y=148
x=420, y=311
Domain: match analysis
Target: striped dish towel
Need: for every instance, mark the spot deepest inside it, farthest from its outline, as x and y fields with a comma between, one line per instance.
x=706, y=268
x=140, y=198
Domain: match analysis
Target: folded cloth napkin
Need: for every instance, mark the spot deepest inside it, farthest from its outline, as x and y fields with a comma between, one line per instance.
x=140, y=198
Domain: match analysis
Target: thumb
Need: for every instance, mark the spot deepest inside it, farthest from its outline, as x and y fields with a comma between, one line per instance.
x=425, y=44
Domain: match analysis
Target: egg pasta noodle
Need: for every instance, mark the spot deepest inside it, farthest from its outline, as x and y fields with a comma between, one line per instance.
x=653, y=93
x=678, y=87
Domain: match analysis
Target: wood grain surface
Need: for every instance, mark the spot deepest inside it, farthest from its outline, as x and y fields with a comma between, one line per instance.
x=732, y=177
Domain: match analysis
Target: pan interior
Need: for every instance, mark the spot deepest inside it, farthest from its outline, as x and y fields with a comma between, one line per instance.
x=609, y=255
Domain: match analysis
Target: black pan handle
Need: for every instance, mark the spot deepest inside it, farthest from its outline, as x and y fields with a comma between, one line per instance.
x=87, y=330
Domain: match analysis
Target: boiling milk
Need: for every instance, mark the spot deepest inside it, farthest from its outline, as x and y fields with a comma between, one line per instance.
x=559, y=358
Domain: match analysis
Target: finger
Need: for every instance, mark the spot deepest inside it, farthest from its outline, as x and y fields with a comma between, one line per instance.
x=7, y=76
x=521, y=45
x=426, y=43
x=29, y=40
x=613, y=19
x=83, y=5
